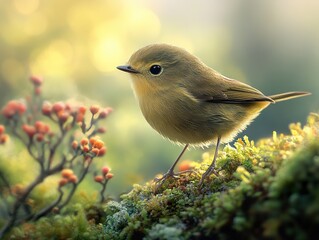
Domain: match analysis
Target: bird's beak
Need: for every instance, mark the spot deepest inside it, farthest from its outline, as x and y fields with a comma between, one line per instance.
x=127, y=68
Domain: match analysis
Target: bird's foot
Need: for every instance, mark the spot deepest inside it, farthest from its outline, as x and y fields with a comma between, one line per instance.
x=208, y=172
x=170, y=174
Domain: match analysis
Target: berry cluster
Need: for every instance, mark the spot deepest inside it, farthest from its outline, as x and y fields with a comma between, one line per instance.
x=68, y=176
x=93, y=147
x=14, y=108
x=106, y=175
x=103, y=180
x=61, y=137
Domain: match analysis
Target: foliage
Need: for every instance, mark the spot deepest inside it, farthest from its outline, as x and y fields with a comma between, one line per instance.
x=267, y=190
x=55, y=147
x=75, y=223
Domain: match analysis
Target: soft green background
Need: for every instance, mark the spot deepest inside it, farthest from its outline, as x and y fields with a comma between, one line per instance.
x=76, y=45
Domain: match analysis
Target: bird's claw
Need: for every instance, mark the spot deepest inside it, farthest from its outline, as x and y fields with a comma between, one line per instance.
x=206, y=175
x=170, y=174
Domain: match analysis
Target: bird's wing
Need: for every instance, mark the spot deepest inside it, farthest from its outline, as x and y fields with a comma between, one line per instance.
x=226, y=90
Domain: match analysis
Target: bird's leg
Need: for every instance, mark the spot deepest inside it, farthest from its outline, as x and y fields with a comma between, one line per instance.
x=170, y=173
x=211, y=168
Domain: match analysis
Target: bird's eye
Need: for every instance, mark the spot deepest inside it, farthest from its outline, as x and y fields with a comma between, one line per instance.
x=156, y=70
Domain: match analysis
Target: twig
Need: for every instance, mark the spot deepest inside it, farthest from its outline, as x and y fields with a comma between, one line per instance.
x=75, y=185
x=103, y=190
x=7, y=186
x=49, y=208
x=55, y=146
x=20, y=200
x=6, y=182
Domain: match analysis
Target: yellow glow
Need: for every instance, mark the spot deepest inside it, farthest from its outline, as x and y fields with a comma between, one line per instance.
x=36, y=24
x=111, y=37
x=26, y=7
x=112, y=27
x=141, y=22
x=56, y=58
x=106, y=52
x=83, y=16
x=221, y=45
x=14, y=36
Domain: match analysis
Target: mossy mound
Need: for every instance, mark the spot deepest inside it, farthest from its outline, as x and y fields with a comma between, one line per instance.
x=268, y=190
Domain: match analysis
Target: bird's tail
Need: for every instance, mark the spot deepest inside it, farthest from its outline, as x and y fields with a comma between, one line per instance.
x=288, y=95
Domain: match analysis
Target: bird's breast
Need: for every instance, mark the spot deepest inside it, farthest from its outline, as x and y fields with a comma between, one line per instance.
x=177, y=116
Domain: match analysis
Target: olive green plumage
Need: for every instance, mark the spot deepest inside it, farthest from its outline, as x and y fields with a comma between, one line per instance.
x=191, y=103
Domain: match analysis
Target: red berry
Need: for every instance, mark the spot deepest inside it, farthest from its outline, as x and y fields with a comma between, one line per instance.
x=21, y=108
x=98, y=178
x=57, y=107
x=4, y=138
x=41, y=127
x=93, y=140
x=66, y=173
x=84, y=141
x=75, y=144
x=2, y=129
x=82, y=109
x=79, y=117
x=102, y=151
x=39, y=137
x=73, y=179
x=98, y=144
x=105, y=112
x=29, y=130
x=63, y=116
x=94, y=109
x=62, y=182
x=109, y=176
x=8, y=112
x=86, y=148
x=47, y=108
x=101, y=130
x=105, y=170
x=95, y=151
x=37, y=81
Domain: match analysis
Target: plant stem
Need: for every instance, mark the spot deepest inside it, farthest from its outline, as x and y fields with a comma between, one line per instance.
x=103, y=190
x=49, y=208
x=18, y=203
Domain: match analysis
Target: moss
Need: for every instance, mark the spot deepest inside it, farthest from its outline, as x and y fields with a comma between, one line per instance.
x=72, y=224
x=267, y=190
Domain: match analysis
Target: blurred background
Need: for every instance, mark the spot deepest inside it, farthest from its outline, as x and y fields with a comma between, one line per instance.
x=76, y=45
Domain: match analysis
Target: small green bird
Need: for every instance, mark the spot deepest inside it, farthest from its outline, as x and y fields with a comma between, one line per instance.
x=190, y=103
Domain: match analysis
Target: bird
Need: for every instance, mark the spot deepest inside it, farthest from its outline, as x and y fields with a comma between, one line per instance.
x=190, y=103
